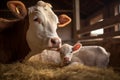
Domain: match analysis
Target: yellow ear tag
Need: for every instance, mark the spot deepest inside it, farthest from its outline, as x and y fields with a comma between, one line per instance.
x=17, y=10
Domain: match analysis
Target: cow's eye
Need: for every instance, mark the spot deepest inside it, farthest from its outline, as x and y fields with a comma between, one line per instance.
x=36, y=19
x=45, y=9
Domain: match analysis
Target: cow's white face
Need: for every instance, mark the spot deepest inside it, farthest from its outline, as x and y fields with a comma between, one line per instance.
x=42, y=27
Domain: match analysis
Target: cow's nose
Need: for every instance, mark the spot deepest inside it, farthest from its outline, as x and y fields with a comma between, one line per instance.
x=55, y=42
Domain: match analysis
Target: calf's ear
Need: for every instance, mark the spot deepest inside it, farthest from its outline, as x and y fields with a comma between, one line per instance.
x=17, y=8
x=77, y=46
x=63, y=20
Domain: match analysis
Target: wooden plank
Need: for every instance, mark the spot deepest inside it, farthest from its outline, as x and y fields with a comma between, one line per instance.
x=92, y=42
x=100, y=2
x=53, y=10
x=109, y=22
x=110, y=40
x=76, y=18
x=109, y=12
x=77, y=14
x=70, y=11
x=106, y=35
x=4, y=10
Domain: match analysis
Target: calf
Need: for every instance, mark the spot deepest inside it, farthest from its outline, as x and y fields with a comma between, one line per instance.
x=86, y=55
x=47, y=56
x=33, y=31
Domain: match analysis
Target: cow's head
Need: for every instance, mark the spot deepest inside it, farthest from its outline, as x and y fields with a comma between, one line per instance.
x=43, y=24
x=67, y=51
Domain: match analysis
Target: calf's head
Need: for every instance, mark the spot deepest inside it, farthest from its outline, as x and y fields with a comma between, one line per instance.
x=67, y=51
x=43, y=24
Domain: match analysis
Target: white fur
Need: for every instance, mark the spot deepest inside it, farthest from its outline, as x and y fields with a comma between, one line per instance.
x=39, y=34
x=47, y=56
x=87, y=55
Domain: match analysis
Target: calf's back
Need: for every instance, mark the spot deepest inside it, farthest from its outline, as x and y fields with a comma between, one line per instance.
x=92, y=56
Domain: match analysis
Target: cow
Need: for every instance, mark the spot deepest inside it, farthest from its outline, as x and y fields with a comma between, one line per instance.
x=84, y=55
x=33, y=31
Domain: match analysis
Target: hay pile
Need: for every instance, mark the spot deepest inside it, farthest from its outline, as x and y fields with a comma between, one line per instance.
x=42, y=71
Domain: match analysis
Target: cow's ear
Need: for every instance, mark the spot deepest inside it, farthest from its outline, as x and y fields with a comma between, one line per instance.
x=63, y=20
x=17, y=8
x=77, y=47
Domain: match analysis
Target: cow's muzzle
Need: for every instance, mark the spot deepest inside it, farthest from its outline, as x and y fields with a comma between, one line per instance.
x=55, y=42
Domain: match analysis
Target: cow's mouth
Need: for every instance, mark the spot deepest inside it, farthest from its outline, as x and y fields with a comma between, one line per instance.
x=53, y=48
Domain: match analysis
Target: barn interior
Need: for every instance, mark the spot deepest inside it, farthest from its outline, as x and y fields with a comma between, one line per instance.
x=94, y=22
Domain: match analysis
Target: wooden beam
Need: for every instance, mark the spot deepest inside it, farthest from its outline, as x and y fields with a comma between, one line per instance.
x=99, y=2
x=4, y=10
x=109, y=12
x=84, y=12
x=106, y=35
x=109, y=22
x=66, y=11
x=111, y=40
x=67, y=2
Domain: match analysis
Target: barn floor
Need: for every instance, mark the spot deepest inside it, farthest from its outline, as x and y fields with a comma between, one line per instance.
x=42, y=71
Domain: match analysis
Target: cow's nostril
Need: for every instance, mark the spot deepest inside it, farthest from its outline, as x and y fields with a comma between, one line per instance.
x=55, y=41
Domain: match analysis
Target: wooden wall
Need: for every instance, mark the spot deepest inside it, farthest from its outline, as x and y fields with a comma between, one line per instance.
x=107, y=40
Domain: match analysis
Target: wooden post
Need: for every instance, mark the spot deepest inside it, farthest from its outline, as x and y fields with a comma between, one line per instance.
x=76, y=18
x=77, y=14
x=109, y=12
